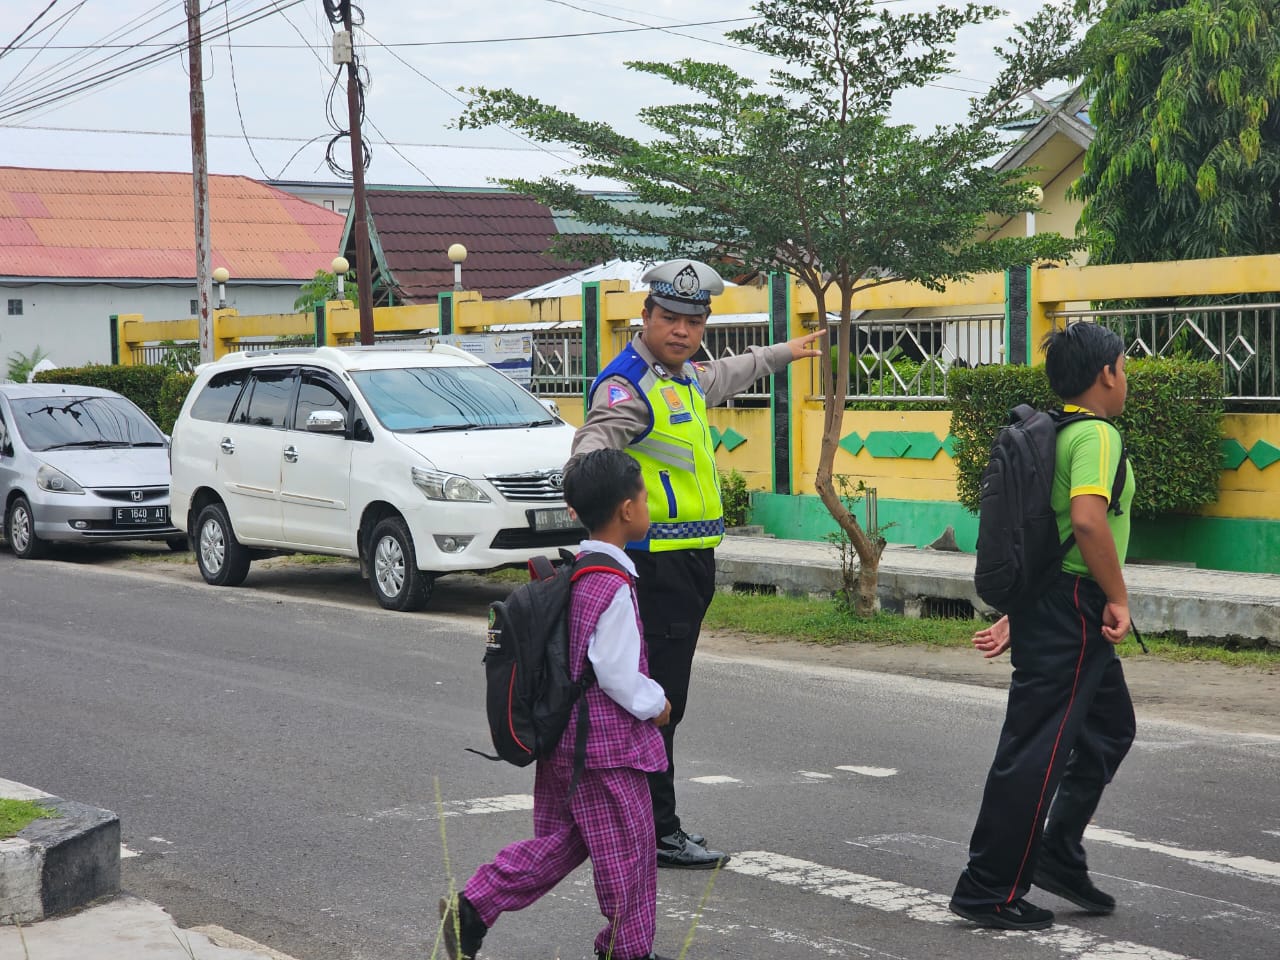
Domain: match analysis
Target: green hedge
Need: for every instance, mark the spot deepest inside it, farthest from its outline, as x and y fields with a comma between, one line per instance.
x=157, y=389
x=1172, y=426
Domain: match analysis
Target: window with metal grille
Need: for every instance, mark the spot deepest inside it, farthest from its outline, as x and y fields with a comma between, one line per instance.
x=15, y=308
x=195, y=307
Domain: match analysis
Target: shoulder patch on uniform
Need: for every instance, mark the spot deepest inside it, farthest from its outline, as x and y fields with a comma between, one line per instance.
x=618, y=394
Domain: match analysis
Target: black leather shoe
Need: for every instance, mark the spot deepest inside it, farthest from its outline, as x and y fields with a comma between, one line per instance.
x=697, y=838
x=1072, y=885
x=1018, y=915
x=462, y=928
x=677, y=850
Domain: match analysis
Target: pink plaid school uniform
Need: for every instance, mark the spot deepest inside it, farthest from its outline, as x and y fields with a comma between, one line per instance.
x=609, y=818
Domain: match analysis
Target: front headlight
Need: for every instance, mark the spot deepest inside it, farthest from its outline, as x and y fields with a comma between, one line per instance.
x=55, y=481
x=447, y=486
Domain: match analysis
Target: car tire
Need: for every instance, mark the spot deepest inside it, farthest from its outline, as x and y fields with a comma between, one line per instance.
x=223, y=561
x=178, y=544
x=397, y=582
x=20, y=531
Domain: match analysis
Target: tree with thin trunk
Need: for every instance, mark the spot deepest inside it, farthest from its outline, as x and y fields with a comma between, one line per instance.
x=807, y=175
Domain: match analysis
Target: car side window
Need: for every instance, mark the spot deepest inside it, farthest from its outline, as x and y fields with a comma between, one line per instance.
x=318, y=391
x=219, y=396
x=266, y=401
x=6, y=445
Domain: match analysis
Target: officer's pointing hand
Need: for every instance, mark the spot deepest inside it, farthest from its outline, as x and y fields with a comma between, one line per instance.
x=801, y=346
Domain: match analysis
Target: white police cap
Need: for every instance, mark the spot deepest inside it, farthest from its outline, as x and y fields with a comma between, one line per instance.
x=683, y=286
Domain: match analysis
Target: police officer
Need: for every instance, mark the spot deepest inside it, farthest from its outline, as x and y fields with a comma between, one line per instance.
x=651, y=401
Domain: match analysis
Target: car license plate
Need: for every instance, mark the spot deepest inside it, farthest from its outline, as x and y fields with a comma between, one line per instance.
x=140, y=516
x=558, y=518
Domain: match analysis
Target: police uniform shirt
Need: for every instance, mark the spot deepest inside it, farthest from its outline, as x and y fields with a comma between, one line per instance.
x=616, y=418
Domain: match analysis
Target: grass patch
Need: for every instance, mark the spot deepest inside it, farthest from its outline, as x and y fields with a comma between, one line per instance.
x=16, y=814
x=824, y=622
x=508, y=575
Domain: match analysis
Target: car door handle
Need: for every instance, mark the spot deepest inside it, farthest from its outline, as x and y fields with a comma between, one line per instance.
x=227, y=445
x=291, y=454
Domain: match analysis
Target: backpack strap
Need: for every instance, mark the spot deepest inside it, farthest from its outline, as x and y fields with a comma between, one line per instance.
x=588, y=563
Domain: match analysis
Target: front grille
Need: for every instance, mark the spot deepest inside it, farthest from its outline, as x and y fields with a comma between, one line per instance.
x=522, y=538
x=540, y=487
x=125, y=494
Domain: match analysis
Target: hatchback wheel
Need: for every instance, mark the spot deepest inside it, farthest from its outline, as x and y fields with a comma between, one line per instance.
x=397, y=582
x=21, y=532
x=223, y=561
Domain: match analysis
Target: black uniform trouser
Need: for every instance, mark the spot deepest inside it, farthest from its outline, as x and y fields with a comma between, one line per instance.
x=1069, y=721
x=674, y=590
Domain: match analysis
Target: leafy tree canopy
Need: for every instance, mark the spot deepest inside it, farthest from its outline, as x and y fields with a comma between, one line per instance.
x=808, y=174
x=1186, y=103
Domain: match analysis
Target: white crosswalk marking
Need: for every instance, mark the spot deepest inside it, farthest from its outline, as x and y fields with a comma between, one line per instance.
x=871, y=771
x=1254, y=868
x=890, y=897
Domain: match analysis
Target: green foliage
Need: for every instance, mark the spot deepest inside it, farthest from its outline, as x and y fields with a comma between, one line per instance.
x=736, y=499
x=173, y=392
x=141, y=384
x=16, y=814
x=1185, y=99
x=179, y=357
x=323, y=287
x=20, y=365
x=1172, y=426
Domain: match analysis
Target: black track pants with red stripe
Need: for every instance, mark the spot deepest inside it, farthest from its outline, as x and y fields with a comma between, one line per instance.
x=1069, y=719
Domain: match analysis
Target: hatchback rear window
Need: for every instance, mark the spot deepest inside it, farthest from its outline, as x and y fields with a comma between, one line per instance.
x=64, y=422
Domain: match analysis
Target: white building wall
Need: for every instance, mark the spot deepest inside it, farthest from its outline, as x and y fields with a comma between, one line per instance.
x=70, y=322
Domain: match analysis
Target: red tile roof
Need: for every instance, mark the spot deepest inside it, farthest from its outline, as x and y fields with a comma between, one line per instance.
x=115, y=225
x=506, y=237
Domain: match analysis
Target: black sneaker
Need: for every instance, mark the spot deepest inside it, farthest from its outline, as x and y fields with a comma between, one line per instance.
x=1018, y=915
x=677, y=850
x=1072, y=885
x=462, y=927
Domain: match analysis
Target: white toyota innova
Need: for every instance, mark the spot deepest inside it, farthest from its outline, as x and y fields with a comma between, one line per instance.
x=416, y=461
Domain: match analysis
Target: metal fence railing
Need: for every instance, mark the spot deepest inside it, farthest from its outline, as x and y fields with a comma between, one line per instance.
x=912, y=357
x=725, y=336
x=1240, y=338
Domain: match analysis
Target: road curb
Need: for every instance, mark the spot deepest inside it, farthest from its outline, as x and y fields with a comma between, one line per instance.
x=56, y=864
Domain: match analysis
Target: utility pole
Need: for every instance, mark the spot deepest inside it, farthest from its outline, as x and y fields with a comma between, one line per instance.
x=364, y=280
x=200, y=179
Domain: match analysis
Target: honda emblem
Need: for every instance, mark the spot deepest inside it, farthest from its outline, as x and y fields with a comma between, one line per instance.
x=136, y=496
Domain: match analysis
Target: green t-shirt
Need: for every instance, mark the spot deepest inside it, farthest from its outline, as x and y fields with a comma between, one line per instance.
x=1088, y=456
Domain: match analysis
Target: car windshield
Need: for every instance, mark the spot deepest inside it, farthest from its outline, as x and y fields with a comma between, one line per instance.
x=66, y=422
x=426, y=399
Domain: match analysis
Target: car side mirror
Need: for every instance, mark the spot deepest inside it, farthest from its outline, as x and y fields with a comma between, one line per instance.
x=326, y=421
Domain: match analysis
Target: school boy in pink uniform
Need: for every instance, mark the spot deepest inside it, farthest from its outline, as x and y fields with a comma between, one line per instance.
x=609, y=816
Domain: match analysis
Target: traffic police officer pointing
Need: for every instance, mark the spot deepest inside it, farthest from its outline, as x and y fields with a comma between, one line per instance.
x=651, y=401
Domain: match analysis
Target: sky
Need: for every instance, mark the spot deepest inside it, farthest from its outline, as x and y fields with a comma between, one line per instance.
x=267, y=82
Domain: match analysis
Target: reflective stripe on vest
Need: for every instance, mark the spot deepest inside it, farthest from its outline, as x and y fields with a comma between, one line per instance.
x=676, y=457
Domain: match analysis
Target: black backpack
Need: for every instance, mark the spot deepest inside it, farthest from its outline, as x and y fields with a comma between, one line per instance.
x=1018, y=545
x=530, y=691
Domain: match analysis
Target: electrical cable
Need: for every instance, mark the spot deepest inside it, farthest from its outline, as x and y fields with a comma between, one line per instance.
x=235, y=90
x=23, y=32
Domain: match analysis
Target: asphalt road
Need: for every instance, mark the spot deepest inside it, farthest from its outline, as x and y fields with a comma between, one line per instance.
x=275, y=762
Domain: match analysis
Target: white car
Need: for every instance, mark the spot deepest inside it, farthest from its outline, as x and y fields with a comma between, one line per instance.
x=79, y=464
x=416, y=461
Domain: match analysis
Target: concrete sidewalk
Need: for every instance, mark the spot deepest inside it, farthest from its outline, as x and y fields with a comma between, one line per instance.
x=125, y=928
x=1200, y=603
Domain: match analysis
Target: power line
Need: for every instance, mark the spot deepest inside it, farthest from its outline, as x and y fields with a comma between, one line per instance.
x=235, y=89
x=670, y=30
x=50, y=95
x=21, y=33
x=438, y=43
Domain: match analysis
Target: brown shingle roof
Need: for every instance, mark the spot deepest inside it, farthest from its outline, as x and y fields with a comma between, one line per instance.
x=112, y=225
x=506, y=237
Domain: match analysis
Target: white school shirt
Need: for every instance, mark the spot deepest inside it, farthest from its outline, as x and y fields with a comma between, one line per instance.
x=616, y=660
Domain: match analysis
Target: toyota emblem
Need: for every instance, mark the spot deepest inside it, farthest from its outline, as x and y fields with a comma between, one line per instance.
x=556, y=480
x=136, y=496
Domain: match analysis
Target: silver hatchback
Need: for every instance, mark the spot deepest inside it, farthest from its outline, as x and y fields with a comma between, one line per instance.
x=79, y=464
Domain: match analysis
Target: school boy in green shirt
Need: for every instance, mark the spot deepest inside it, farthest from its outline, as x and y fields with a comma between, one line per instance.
x=1070, y=720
